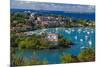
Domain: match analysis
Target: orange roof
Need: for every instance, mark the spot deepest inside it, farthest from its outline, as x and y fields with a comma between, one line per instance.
x=52, y=34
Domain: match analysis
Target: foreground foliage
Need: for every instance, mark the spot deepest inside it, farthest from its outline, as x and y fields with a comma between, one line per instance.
x=85, y=55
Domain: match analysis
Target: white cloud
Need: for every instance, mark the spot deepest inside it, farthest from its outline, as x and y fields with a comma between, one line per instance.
x=51, y=6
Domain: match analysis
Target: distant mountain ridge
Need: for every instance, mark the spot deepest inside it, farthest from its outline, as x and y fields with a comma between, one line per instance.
x=88, y=16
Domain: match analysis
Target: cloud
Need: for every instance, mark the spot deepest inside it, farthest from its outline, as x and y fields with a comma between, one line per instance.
x=52, y=6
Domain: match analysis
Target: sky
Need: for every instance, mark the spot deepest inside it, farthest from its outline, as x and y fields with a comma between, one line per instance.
x=51, y=6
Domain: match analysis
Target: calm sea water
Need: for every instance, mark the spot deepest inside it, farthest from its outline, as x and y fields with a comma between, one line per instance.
x=81, y=37
x=87, y=16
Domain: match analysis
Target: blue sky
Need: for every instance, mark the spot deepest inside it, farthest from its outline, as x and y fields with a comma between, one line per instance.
x=51, y=6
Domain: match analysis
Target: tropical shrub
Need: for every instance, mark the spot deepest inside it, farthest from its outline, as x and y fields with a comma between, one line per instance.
x=87, y=54
x=68, y=59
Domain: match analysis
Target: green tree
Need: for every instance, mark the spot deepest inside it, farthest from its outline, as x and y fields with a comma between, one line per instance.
x=87, y=55
x=68, y=59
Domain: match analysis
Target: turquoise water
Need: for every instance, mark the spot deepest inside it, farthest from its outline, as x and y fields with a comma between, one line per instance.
x=81, y=37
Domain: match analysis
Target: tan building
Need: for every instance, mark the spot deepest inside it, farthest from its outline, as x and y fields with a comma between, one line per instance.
x=52, y=37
